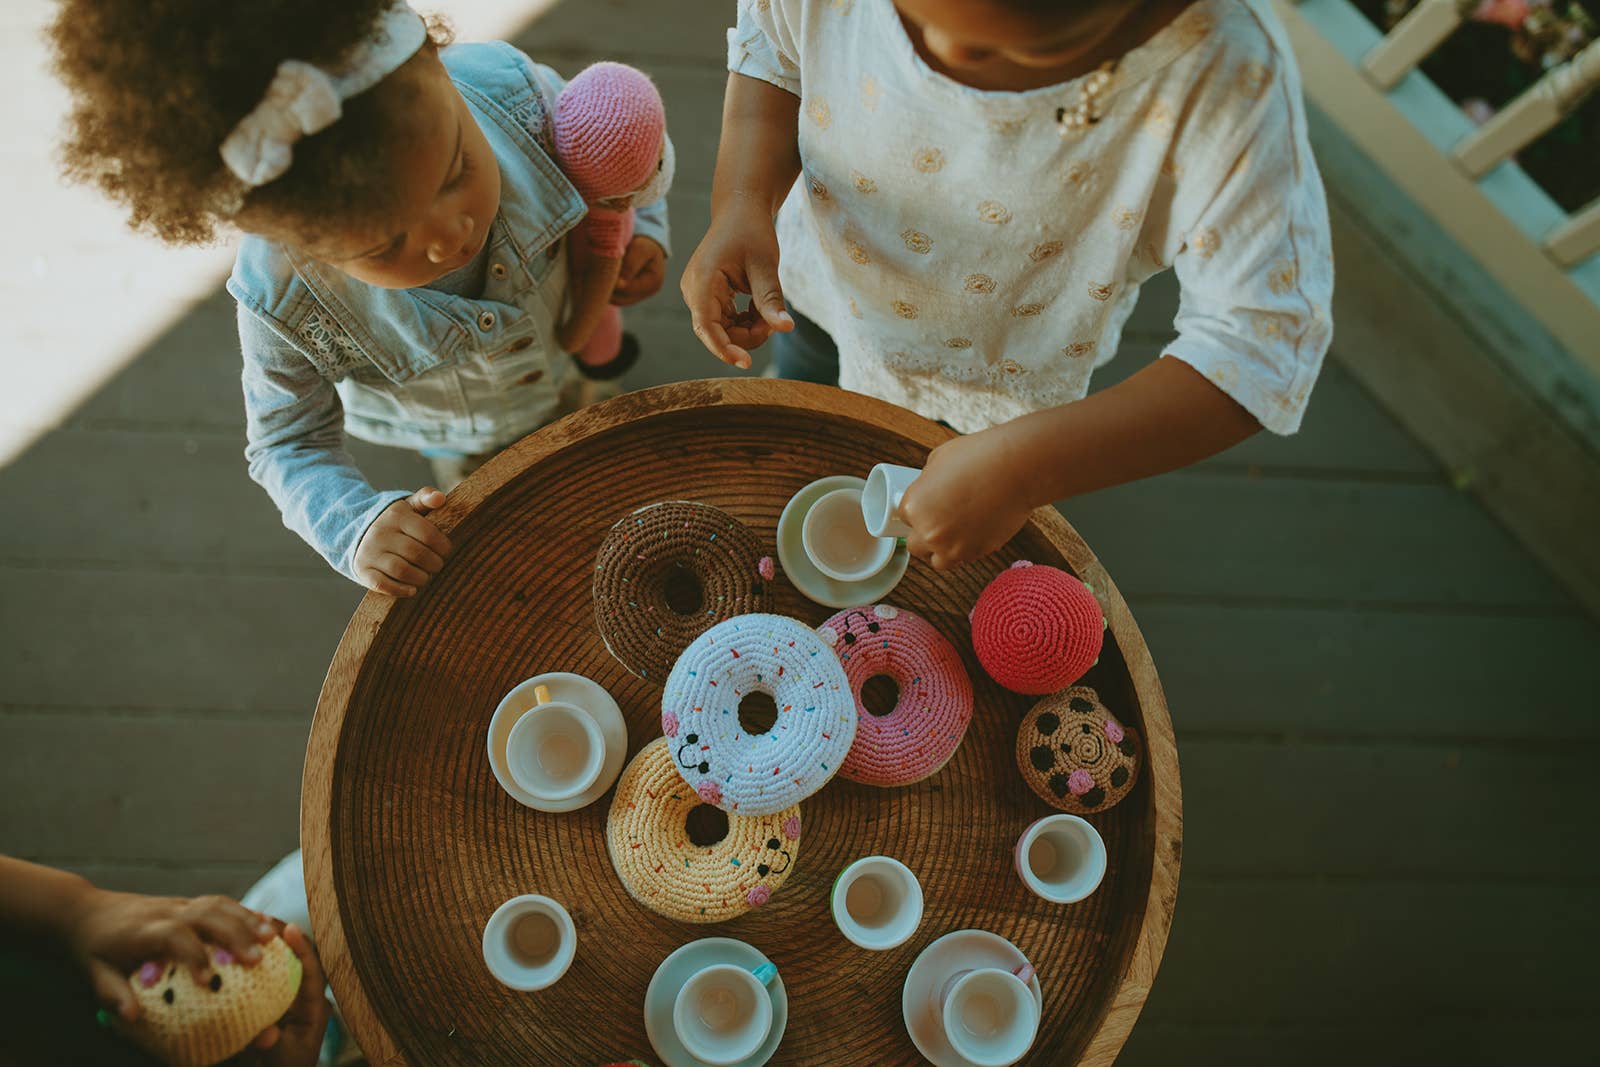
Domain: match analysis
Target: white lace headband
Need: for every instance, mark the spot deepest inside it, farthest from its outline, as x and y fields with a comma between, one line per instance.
x=304, y=99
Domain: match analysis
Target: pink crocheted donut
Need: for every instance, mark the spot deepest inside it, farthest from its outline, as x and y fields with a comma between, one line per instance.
x=927, y=723
x=1036, y=629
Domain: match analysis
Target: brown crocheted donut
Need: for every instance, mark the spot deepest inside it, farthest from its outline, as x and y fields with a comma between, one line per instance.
x=1075, y=754
x=667, y=573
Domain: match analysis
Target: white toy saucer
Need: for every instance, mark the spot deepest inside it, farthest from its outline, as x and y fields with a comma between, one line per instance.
x=933, y=967
x=803, y=574
x=676, y=969
x=570, y=689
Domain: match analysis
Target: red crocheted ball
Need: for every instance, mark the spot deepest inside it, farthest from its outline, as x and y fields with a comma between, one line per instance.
x=1036, y=629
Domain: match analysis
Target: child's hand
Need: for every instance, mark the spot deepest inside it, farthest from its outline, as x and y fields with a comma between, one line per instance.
x=402, y=548
x=644, y=266
x=111, y=934
x=968, y=501
x=739, y=254
x=296, y=1040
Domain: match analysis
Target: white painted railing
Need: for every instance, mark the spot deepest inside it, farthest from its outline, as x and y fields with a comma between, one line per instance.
x=1463, y=176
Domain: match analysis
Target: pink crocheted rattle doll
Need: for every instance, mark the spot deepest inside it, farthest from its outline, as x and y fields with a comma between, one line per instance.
x=611, y=142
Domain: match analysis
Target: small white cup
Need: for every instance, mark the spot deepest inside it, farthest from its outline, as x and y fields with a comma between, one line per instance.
x=1061, y=858
x=555, y=750
x=723, y=1013
x=880, y=499
x=877, y=902
x=836, y=539
x=990, y=1016
x=529, y=942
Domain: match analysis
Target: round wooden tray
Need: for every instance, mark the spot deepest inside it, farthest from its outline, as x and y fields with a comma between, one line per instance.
x=410, y=844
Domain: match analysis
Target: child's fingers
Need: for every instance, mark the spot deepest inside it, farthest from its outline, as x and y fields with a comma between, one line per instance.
x=379, y=582
x=420, y=554
x=420, y=528
x=401, y=569
x=312, y=980
x=180, y=944
x=111, y=989
x=228, y=925
x=715, y=338
x=711, y=309
x=749, y=330
x=267, y=1038
x=426, y=499
x=766, y=295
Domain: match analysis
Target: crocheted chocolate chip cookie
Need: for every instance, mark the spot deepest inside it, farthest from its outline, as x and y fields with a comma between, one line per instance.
x=1075, y=754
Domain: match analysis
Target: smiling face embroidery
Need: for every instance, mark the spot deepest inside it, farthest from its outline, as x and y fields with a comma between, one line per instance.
x=680, y=855
x=758, y=714
x=182, y=1020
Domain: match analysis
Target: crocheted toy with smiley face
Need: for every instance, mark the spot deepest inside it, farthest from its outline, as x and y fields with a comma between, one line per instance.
x=187, y=1024
x=611, y=142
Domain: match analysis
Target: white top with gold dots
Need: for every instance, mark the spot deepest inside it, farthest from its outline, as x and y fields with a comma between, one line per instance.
x=975, y=259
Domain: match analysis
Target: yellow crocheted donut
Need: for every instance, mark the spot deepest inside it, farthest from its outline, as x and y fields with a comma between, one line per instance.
x=681, y=857
x=187, y=1024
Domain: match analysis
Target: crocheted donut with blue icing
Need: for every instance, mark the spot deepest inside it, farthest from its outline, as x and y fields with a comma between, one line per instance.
x=758, y=773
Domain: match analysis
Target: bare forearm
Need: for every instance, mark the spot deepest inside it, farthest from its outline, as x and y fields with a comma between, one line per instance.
x=39, y=901
x=590, y=288
x=1164, y=417
x=758, y=157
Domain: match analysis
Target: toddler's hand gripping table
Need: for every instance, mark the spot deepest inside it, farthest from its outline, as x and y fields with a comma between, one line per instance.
x=410, y=843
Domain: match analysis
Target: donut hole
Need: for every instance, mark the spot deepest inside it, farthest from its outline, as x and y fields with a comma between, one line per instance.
x=705, y=825
x=880, y=694
x=758, y=712
x=683, y=592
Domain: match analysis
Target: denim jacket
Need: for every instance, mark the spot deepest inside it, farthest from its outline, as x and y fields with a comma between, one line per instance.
x=416, y=368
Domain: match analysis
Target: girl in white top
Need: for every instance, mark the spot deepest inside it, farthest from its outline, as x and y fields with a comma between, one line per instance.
x=967, y=195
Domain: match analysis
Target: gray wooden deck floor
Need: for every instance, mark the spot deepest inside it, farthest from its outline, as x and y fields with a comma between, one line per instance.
x=1386, y=711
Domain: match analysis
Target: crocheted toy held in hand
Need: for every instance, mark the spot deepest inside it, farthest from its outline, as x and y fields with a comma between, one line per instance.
x=611, y=142
x=190, y=1025
x=1036, y=629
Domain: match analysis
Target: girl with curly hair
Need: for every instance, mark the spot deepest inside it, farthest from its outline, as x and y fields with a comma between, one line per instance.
x=401, y=274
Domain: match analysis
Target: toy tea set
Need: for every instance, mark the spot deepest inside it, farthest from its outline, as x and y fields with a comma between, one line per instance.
x=705, y=822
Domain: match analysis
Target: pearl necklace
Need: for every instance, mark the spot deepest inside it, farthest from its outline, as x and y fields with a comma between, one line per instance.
x=1086, y=112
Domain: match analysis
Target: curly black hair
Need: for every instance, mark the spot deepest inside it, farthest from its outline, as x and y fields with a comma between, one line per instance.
x=158, y=84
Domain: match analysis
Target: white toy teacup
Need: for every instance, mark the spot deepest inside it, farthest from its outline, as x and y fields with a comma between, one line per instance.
x=555, y=750
x=836, y=540
x=877, y=902
x=880, y=499
x=529, y=942
x=1061, y=858
x=723, y=1013
x=990, y=1017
